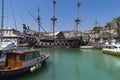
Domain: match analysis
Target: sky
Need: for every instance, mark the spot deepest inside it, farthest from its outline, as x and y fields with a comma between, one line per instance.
x=66, y=12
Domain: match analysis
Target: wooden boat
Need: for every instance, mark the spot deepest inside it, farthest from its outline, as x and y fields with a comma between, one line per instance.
x=113, y=49
x=18, y=62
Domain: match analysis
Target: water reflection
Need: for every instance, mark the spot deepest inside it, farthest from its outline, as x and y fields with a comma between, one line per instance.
x=112, y=65
x=77, y=64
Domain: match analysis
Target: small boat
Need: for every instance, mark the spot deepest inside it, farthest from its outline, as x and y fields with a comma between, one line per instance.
x=113, y=49
x=86, y=47
x=18, y=62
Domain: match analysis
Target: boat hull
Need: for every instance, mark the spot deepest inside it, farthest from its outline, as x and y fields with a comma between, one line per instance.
x=8, y=73
x=87, y=47
x=111, y=52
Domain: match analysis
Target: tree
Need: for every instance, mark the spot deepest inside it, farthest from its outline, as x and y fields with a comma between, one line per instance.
x=117, y=22
x=97, y=30
x=109, y=26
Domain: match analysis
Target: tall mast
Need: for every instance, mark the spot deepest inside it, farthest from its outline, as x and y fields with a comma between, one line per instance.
x=13, y=14
x=38, y=19
x=96, y=23
x=2, y=20
x=53, y=18
x=77, y=20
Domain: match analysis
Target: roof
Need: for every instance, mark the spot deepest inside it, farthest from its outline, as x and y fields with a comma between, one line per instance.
x=21, y=51
x=56, y=33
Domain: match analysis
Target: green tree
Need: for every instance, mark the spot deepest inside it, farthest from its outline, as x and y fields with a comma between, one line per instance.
x=117, y=22
x=97, y=30
x=109, y=25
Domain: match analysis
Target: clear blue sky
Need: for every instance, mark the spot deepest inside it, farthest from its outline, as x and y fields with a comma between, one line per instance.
x=66, y=11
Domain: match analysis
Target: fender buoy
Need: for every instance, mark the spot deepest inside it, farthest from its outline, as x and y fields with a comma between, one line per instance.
x=33, y=68
x=38, y=66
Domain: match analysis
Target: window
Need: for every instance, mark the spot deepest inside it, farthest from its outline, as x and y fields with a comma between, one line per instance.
x=12, y=57
x=115, y=47
x=17, y=57
x=26, y=57
x=106, y=46
x=6, y=32
x=36, y=54
x=109, y=47
x=30, y=55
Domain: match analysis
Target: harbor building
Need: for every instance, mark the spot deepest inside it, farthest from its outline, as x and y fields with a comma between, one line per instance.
x=13, y=35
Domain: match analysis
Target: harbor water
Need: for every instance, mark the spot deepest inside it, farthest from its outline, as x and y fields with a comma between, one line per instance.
x=76, y=64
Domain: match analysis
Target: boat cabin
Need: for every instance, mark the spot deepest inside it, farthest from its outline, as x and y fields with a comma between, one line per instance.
x=112, y=46
x=15, y=59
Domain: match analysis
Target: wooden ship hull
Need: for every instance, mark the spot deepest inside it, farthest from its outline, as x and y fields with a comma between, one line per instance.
x=16, y=68
x=58, y=43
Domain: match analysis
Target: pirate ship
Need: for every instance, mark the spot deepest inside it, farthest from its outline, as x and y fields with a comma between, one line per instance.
x=54, y=39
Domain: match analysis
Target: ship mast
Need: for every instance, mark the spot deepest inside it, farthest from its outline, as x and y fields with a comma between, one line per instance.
x=96, y=23
x=77, y=20
x=53, y=18
x=13, y=14
x=2, y=20
x=38, y=19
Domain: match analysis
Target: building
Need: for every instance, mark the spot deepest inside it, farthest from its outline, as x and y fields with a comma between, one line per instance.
x=10, y=34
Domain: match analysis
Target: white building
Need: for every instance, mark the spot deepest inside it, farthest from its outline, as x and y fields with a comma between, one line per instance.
x=10, y=34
